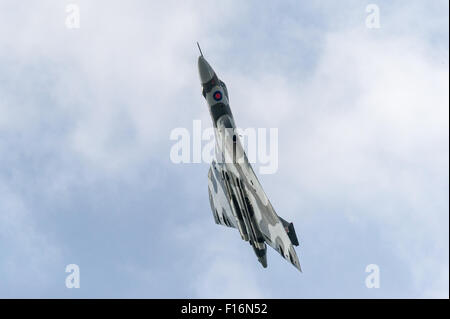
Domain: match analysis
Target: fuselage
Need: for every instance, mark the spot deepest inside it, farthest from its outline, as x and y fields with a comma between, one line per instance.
x=236, y=196
x=231, y=159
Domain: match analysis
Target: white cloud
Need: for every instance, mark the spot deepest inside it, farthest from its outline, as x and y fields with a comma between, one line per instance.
x=28, y=258
x=119, y=80
x=218, y=270
x=366, y=127
x=370, y=131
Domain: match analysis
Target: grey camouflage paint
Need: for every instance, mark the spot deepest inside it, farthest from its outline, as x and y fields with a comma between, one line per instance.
x=253, y=214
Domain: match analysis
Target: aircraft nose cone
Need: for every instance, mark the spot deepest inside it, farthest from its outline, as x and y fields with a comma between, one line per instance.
x=205, y=71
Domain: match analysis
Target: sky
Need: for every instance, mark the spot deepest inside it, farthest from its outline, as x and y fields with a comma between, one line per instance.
x=86, y=177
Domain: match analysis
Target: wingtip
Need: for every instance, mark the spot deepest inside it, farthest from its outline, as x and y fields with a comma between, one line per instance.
x=298, y=266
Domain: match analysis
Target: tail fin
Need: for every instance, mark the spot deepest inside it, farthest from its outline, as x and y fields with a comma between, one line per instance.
x=290, y=230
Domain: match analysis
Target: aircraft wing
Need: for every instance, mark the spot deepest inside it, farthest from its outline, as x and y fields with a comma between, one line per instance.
x=220, y=206
x=278, y=233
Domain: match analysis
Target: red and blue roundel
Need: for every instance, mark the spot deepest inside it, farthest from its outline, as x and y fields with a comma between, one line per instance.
x=217, y=95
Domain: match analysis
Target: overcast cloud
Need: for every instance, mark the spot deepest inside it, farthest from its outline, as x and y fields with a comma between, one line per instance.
x=85, y=173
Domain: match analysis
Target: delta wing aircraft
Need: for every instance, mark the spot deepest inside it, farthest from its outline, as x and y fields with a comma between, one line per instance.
x=235, y=194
